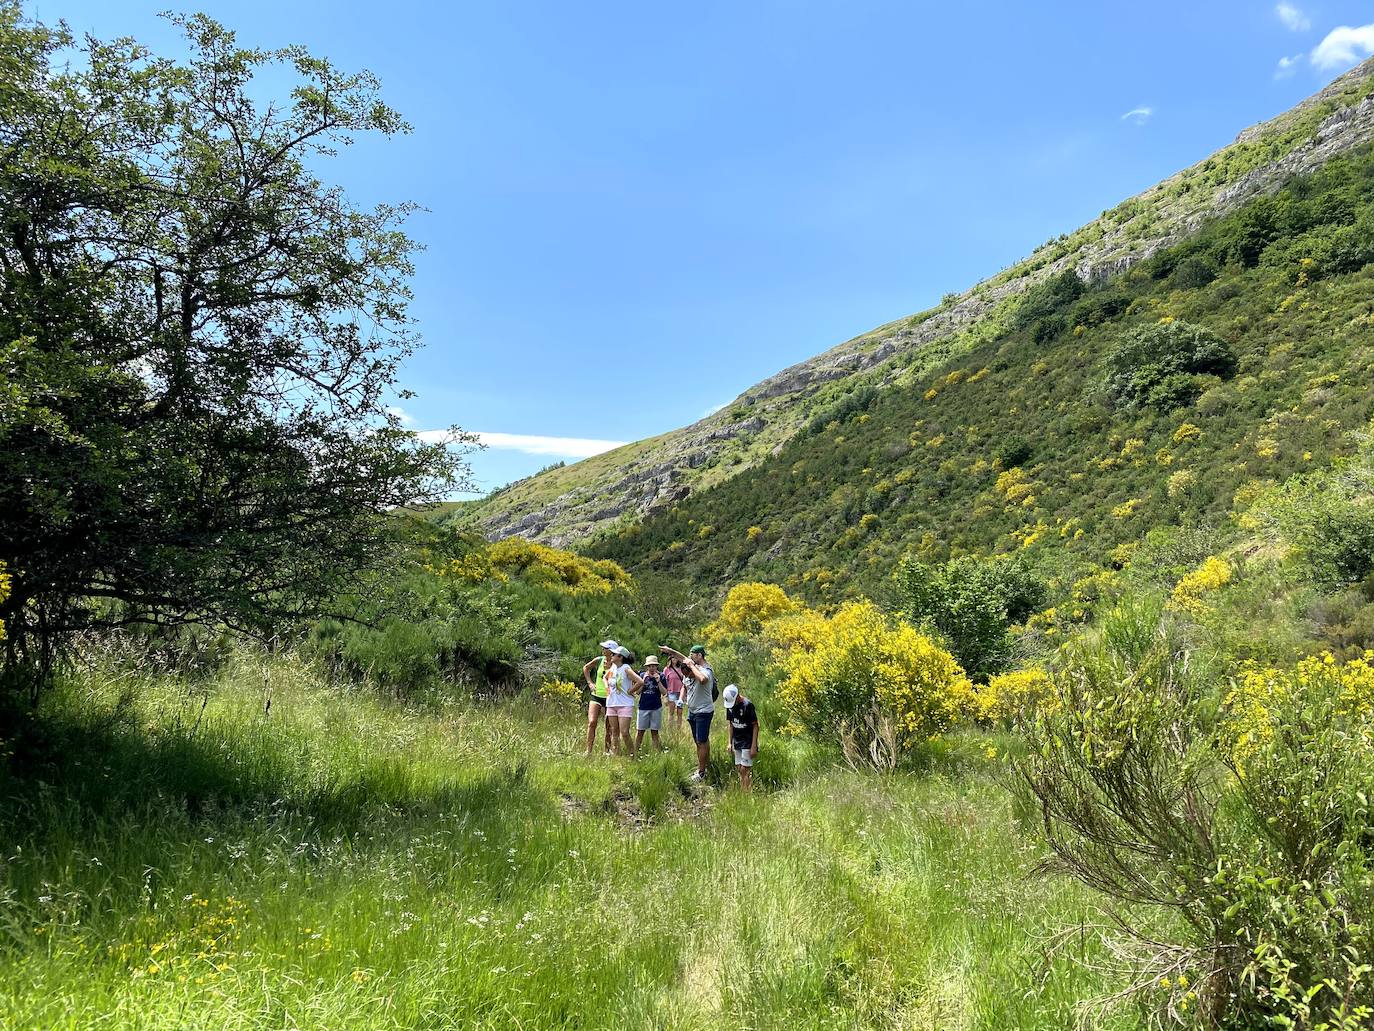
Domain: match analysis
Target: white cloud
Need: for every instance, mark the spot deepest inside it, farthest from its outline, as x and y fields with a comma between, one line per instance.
x=1293, y=18
x=530, y=444
x=1343, y=47
x=404, y=417
x=1287, y=66
x=1138, y=115
x=714, y=409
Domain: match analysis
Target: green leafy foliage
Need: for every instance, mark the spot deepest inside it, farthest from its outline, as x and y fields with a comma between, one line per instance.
x=1165, y=366
x=1327, y=516
x=971, y=604
x=455, y=611
x=199, y=339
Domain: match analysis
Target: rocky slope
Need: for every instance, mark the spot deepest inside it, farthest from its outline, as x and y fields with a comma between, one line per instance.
x=573, y=503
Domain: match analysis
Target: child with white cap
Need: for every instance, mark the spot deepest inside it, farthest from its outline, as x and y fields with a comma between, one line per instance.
x=744, y=733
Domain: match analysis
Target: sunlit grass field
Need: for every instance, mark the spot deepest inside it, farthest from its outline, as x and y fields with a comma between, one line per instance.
x=182, y=856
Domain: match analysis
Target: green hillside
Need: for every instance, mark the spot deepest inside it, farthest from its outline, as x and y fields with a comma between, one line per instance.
x=606, y=494
x=1075, y=425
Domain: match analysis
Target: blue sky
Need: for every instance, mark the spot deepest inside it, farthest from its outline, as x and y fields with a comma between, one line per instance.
x=637, y=210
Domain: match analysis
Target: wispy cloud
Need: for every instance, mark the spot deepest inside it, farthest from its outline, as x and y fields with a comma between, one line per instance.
x=714, y=409
x=402, y=416
x=1293, y=18
x=1138, y=115
x=1343, y=47
x=531, y=444
x=1287, y=66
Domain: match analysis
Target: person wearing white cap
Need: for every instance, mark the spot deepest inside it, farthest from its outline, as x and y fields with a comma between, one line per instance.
x=621, y=685
x=594, y=673
x=744, y=733
x=650, y=715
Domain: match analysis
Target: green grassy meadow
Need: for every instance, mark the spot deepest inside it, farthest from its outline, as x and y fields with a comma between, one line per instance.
x=181, y=856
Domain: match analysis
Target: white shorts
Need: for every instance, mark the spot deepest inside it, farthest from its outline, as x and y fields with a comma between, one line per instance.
x=742, y=757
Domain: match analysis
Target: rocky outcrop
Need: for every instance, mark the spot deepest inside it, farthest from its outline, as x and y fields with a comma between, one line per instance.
x=1107, y=247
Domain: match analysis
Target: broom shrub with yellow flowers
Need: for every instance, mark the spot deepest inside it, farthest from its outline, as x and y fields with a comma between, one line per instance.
x=747, y=607
x=456, y=610
x=873, y=684
x=6, y=585
x=1243, y=812
x=1015, y=696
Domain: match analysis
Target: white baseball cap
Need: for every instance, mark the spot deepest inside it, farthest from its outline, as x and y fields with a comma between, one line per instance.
x=730, y=694
x=609, y=644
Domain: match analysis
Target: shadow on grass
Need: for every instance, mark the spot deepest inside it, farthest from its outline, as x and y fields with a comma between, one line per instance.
x=107, y=766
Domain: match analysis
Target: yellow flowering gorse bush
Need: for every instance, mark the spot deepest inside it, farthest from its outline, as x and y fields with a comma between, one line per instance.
x=560, y=569
x=1018, y=693
x=1212, y=575
x=537, y=563
x=563, y=692
x=1255, y=707
x=6, y=585
x=747, y=608
x=845, y=674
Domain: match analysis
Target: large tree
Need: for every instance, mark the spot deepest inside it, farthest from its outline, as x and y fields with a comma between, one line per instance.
x=199, y=338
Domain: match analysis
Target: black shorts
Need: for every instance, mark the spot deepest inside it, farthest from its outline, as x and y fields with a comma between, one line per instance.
x=597, y=701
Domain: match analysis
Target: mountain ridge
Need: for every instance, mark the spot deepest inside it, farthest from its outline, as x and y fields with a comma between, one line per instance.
x=585, y=500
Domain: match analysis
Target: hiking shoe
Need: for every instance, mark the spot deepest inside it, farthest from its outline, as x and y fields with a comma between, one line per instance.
x=696, y=777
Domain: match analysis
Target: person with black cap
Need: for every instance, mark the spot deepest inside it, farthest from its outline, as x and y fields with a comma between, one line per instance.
x=744, y=733
x=699, y=681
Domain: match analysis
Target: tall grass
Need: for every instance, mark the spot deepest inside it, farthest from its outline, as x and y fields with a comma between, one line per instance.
x=180, y=856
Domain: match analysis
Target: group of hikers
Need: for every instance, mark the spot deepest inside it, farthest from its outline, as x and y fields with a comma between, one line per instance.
x=687, y=682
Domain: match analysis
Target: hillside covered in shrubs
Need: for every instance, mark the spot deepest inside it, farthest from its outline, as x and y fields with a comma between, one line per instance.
x=1168, y=396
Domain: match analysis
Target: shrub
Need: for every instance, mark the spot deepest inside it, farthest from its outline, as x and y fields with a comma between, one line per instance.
x=1187, y=433
x=561, y=692
x=1327, y=517
x=1301, y=745
x=1195, y=271
x=1013, y=451
x=1125, y=784
x=1244, y=813
x=538, y=563
x=971, y=603
x=875, y=686
x=1181, y=483
x=747, y=608
x=1043, y=301
x=5, y=584
x=1161, y=366
x=1098, y=307
x=1016, y=695
x=1212, y=575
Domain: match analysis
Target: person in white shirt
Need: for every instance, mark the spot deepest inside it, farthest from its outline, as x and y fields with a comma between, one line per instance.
x=622, y=684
